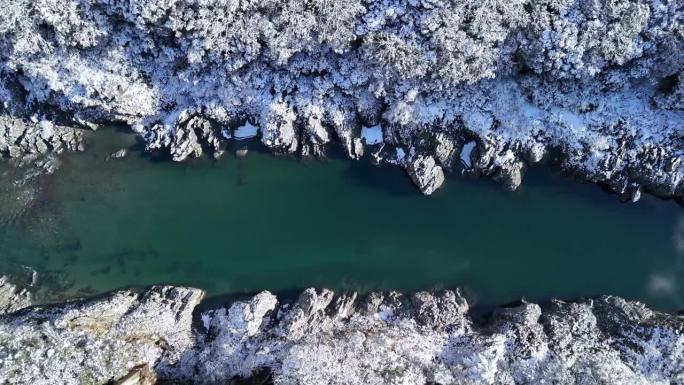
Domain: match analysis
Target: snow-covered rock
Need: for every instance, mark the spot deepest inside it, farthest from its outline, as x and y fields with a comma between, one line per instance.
x=324, y=338
x=424, y=172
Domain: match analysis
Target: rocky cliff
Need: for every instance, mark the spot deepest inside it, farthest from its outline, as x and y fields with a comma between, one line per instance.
x=593, y=87
x=324, y=338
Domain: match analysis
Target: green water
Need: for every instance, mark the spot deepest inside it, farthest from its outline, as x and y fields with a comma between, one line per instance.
x=263, y=222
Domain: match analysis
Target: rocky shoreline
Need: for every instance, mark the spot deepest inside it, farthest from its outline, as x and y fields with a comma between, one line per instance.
x=162, y=333
x=594, y=88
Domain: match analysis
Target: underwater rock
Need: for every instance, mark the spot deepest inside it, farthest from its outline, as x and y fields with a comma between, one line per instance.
x=377, y=338
x=118, y=154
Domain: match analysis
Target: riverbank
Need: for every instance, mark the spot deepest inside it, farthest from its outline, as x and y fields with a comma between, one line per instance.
x=378, y=338
x=595, y=89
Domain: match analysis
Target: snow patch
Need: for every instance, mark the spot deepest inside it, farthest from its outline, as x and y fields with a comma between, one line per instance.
x=372, y=135
x=246, y=131
x=465, y=153
x=400, y=154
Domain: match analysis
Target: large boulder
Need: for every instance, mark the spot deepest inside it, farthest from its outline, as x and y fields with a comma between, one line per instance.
x=425, y=173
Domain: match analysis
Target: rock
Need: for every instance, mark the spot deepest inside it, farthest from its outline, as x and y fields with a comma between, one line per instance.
x=439, y=310
x=19, y=138
x=445, y=149
x=185, y=142
x=317, y=136
x=357, y=148
x=140, y=375
x=509, y=172
x=11, y=297
x=210, y=136
x=118, y=154
x=306, y=312
x=277, y=128
x=425, y=173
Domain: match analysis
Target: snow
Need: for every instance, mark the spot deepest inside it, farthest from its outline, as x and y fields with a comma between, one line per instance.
x=465, y=153
x=400, y=154
x=372, y=135
x=206, y=319
x=245, y=131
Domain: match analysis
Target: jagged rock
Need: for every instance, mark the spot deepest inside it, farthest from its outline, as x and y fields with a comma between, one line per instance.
x=317, y=136
x=508, y=171
x=439, y=310
x=19, y=138
x=11, y=297
x=306, y=312
x=425, y=173
x=445, y=149
x=185, y=140
x=382, y=338
x=209, y=135
x=277, y=128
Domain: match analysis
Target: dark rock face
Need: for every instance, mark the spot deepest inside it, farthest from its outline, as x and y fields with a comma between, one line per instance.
x=596, y=83
x=378, y=338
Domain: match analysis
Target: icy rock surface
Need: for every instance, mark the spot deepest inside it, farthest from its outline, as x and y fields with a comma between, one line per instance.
x=594, y=86
x=328, y=338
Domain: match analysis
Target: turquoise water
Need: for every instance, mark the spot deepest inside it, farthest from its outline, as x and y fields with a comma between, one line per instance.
x=264, y=222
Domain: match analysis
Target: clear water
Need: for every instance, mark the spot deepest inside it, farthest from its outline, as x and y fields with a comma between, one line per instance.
x=263, y=222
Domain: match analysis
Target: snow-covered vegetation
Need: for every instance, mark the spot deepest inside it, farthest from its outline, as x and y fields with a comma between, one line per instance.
x=598, y=80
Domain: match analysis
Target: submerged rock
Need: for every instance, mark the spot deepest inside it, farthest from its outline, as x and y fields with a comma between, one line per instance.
x=118, y=154
x=323, y=338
